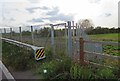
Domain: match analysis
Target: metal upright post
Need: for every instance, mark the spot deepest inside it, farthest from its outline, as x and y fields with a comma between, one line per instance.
x=20, y=34
x=66, y=38
x=77, y=31
x=69, y=39
x=32, y=34
x=81, y=50
x=52, y=39
x=4, y=31
x=77, y=36
x=10, y=32
x=73, y=29
x=82, y=59
x=73, y=36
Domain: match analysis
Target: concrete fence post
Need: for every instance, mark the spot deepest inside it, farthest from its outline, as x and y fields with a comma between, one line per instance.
x=20, y=34
x=10, y=32
x=73, y=29
x=52, y=39
x=32, y=34
x=69, y=39
x=4, y=31
x=66, y=38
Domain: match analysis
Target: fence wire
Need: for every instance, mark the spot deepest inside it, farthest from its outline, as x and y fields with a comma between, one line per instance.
x=60, y=40
x=79, y=33
x=63, y=38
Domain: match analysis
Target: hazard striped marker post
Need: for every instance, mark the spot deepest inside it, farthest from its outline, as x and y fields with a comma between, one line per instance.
x=39, y=53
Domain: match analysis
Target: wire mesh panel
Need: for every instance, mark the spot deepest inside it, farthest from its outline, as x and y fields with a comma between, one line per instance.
x=26, y=34
x=15, y=34
x=3, y=32
x=6, y=32
x=60, y=40
x=42, y=36
x=87, y=46
x=75, y=42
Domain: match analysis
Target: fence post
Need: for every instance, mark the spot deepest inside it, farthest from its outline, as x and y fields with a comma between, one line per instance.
x=66, y=38
x=81, y=42
x=73, y=29
x=52, y=39
x=20, y=34
x=32, y=34
x=4, y=31
x=69, y=39
x=10, y=32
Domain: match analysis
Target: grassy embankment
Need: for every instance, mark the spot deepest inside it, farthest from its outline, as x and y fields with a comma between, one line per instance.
x=57, y=67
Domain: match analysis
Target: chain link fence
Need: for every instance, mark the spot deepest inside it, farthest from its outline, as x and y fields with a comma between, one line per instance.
x=61, y=38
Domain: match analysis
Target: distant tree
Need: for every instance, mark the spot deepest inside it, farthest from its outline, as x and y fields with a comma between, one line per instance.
x=44, y=32
x=85, y=23
x=89, y=30
x=36, y=32
x=59, y=32
x=26, y=32
x=13, y=33
x=101, y=30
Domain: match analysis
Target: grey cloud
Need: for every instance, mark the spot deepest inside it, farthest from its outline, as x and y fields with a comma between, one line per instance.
x=107, y=14
x=12, y=19
x=61, y=17
x=36, y=20
x=45, y=8
x=34, y=1
x=31, y=10
x=54, y=11
x=55, y=15
x=94, y=1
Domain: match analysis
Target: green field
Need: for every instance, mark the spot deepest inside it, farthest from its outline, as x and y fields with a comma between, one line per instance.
x=105, y=37
x=108, y=49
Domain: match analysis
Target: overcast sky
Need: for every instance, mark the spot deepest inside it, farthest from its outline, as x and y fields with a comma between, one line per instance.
x=28, y=12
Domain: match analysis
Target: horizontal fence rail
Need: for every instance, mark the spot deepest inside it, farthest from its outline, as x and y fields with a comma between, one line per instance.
x=100, y=55
x=104, y=55
x=105, y=43
x=21, y=44
x=58, y=24
x=100, y=65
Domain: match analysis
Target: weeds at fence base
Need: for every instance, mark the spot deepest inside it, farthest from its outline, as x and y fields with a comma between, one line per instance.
x=17, y=58
x=60, y=67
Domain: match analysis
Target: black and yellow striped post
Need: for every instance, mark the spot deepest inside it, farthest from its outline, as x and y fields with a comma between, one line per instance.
x=39, y=54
